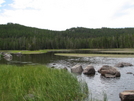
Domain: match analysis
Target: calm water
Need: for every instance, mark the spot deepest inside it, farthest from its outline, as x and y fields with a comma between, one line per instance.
x=97, y=85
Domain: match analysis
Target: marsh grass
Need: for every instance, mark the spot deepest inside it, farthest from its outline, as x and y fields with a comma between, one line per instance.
x=39, y=83
x=95, y=55
x=25, y=51
x=33, y=51
x=91, y=98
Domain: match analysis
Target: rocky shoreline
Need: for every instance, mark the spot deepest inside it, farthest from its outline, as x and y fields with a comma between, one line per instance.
x=108, y=72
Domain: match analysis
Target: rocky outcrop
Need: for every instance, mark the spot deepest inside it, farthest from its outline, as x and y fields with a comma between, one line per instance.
x=89, y=70
x=7, y=56
x=123, y=64
x=77, y=69
x=109, y=71
x=127, y=95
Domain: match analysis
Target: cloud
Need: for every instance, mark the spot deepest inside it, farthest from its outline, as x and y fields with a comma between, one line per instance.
x=1, y=2
x=124, y=9
x=63, y=14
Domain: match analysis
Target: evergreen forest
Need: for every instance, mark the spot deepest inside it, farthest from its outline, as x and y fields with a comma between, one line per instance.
x=19, y=37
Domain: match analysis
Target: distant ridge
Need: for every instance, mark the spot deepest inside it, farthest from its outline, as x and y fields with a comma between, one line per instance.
x=20, y=37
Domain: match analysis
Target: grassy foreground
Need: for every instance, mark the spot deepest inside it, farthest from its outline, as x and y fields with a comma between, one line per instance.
x=39, y=83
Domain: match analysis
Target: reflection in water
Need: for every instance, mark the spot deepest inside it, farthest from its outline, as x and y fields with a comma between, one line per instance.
x=108, y=80
x=90, y=76
x=97, y=84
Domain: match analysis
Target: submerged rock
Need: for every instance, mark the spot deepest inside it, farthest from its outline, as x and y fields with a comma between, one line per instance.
x=123, y=64
x=77, y=69
x=18, y=54
x=89, y=70
x=29, y=97
x=54, y=64
x=109, y=72
x=65, y=68
x=127, y=95
x=129, y=73
x=52, y=67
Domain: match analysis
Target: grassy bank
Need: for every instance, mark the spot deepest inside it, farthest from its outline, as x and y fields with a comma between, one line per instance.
x=39, y=83
x=123, y=52
x=94, y=55
x=120, y=52
x=25, y=51
x=33, y=51
x=114, y=50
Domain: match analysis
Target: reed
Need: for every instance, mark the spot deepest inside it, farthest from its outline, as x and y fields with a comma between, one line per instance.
x=39, y=83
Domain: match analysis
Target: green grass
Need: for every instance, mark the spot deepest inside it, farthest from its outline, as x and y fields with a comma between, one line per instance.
x=33, y=51
x=113, y=50
x=25, y=51
x=44, y=84
x=96, y=99
x=94, y=55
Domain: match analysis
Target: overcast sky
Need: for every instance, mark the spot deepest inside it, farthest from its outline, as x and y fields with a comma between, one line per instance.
x=64, y=14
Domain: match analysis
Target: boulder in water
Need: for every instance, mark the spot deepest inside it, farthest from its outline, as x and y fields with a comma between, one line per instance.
x=109, y=71
x=89, y=70
x=127, y=95
x=77, y=69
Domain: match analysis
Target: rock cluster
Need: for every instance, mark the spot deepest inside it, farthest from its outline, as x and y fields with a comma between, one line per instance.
x=88, y=70
x=108, y=72
x=7, y=56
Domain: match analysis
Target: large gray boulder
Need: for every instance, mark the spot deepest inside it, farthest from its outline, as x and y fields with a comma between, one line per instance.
x=109, y=71
x=89, y=70
x=7, y=56
x=77, y=69
x=127, y=95
x=123, y=64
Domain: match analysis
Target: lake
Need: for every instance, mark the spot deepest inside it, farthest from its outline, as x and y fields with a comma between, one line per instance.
x=97, y=84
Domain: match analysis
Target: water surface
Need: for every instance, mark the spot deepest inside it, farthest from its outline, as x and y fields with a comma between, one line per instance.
x=97, y=84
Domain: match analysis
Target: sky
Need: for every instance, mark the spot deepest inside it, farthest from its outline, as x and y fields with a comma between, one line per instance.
x=65, y=14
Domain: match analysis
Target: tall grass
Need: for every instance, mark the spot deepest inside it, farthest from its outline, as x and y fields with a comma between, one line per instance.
x=96, y=99
x=39, y=83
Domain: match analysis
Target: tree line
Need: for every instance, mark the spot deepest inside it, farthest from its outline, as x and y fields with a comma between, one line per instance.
x=19, y=37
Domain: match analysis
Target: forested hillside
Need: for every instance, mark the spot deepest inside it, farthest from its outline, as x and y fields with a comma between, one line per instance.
x=19, y=37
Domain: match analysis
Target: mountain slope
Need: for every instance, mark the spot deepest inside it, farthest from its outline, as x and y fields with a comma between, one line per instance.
x=16, y=36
